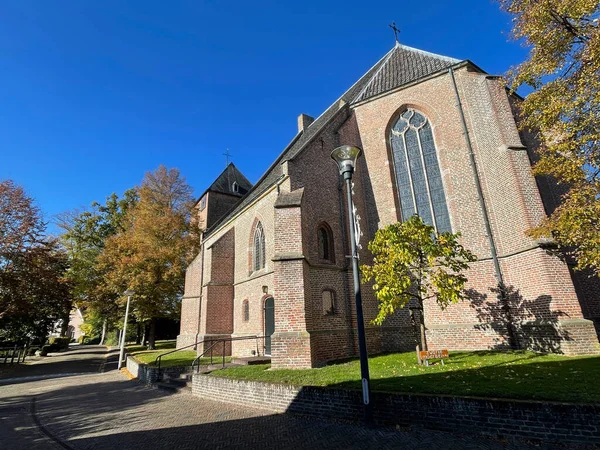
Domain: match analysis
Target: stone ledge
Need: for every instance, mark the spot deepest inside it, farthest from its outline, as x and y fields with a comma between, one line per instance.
x=288, y=257
x=289, y=199
x=491, y=417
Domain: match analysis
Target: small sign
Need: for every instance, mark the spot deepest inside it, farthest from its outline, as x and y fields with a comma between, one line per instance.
x=433, y=354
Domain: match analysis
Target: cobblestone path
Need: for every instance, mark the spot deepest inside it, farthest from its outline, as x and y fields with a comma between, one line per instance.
x=107, y=411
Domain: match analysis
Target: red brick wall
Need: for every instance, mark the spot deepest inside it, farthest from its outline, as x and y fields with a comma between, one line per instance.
x=544, y=306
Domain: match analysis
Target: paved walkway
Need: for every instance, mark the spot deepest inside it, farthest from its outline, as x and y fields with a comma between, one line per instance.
x=107, y=411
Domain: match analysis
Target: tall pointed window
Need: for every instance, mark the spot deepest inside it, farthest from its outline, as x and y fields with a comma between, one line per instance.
x=418, y=175
x=259, y=248
x=325, y=241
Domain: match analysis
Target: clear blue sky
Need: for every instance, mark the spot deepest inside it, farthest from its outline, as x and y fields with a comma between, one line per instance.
x=95, y=94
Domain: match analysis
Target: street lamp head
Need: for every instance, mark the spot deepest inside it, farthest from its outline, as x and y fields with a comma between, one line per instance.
x=128, y=292
x=346, y=156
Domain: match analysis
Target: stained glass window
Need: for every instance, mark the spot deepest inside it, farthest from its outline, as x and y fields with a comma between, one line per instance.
x=418, y=175
x=259, y=248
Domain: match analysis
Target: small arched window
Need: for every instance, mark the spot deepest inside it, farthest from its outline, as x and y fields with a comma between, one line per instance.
x=418, y=176
x=259, y=248
x=328, y=298
x=245, y=310
x=325, y=242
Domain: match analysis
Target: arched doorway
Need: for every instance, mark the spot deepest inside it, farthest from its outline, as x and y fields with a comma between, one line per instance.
x=269, y=325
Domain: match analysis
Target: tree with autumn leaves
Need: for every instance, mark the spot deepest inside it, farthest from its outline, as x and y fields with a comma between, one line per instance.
x=35, y=292
x=84, y=238
x=141, y=242
x=563, y=111
x=157, y=243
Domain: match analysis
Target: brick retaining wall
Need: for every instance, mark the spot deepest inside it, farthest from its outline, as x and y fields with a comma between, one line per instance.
x=495, y=417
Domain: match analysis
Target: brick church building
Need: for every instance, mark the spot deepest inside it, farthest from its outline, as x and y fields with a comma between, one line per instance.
x=439, y=139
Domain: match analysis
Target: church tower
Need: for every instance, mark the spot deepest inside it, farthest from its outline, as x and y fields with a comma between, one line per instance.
x=221, y=196
x=207, y=304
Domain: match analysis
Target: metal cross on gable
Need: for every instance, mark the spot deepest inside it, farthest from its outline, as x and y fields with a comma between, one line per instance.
x=227, y=155
x=396, y=30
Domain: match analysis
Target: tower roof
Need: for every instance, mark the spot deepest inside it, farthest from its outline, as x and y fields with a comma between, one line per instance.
x=403, y=65
x=225, y=182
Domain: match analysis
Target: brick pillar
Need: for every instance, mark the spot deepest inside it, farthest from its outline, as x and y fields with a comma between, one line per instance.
x=290, y=344
x=217, y=295
x=190, y=304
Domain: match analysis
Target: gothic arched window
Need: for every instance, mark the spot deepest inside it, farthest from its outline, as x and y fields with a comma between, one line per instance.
x=418, y=175
x=325, y=242
x=259, y=248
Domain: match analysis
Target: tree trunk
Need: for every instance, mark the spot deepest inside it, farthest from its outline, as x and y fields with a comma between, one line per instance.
x=138, y=335
x=64, y=326
x=103, y=332
x=422, y=328
x=144, y=333
x=152, y=335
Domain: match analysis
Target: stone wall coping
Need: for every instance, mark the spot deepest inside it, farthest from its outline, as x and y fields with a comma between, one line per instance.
x=410, y=394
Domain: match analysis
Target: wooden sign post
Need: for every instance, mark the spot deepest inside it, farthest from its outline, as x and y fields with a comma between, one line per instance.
x=433, y=354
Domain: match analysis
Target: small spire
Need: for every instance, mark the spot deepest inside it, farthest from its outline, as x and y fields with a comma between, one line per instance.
x=226, y=155
x=396, y=31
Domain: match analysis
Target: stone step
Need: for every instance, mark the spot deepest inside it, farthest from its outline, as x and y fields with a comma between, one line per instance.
x=174, y=386
x=252, y=360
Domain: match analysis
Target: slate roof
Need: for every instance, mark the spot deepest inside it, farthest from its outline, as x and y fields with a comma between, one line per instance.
x=404, y=65
x=399, y=66
x=224, y=182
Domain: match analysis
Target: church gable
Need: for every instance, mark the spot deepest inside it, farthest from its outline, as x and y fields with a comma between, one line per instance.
x=404, y=65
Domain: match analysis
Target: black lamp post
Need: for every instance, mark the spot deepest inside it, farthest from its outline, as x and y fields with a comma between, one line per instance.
x=346, y=156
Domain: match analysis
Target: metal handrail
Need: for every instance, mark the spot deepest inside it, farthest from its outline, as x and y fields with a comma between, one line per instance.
x=224, y=341
x=11, y=352
x=158, y=359
x=214, y=342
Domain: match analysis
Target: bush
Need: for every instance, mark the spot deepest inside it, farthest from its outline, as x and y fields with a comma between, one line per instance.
x=45, y=350
x=31, y=350
x=93, y=341
x=59, y=343
x=112, y=340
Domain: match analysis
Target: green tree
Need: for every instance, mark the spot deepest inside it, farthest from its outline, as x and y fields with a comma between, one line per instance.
x=84, y=238
x=411, y=264
x=563, y=68
x=151, y=254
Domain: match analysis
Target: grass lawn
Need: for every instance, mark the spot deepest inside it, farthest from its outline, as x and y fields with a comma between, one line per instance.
x=515, y=375
x=176, y=359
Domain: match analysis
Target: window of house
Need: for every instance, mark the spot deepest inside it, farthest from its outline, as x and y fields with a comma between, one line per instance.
x=203, y=203
x=325, y=242
x=418, y=176
x=259, y=248
x=235, y=187
x=328, y=297
x=246, y=311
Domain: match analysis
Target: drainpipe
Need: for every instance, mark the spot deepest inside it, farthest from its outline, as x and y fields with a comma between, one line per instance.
x=202, y=293
x=502, y=295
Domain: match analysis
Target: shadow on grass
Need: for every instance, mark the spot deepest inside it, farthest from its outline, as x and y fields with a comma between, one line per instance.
x=567, y=380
